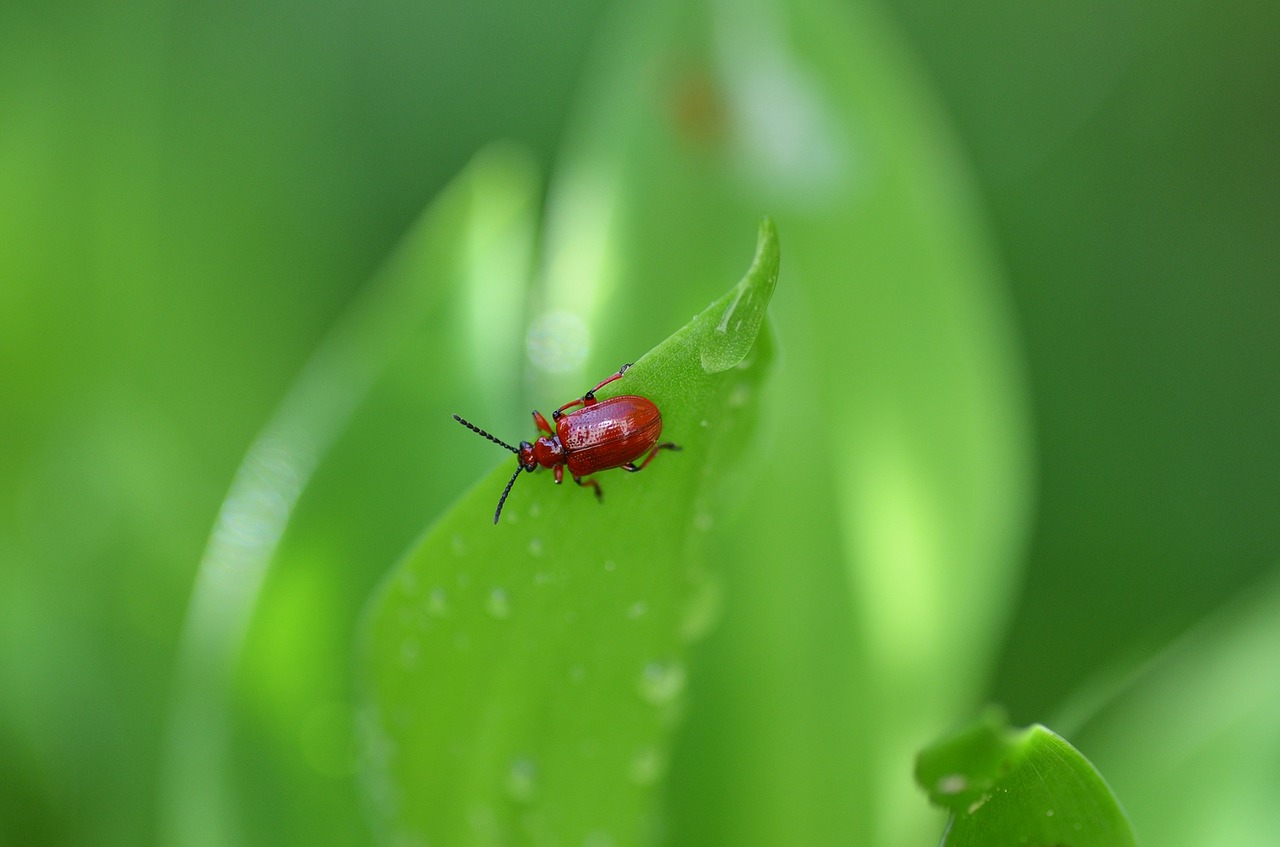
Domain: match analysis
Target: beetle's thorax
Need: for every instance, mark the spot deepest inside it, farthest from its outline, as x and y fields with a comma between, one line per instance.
x=546, y=451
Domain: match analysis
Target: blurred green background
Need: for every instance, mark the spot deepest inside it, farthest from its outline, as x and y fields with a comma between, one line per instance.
x=192, y=196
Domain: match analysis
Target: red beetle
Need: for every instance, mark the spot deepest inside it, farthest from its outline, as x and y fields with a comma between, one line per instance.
x=603, y=434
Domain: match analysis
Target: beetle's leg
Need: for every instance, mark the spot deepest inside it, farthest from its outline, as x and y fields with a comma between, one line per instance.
x=593, y=484
x=634, y=468
x=559, y=472
x=590, y=397
x=541, y=422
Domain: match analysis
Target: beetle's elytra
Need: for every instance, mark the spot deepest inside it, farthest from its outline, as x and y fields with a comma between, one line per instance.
x=598, y=436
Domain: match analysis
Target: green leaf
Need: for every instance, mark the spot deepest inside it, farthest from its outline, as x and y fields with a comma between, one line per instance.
x=1020, y=787
x=523, y=680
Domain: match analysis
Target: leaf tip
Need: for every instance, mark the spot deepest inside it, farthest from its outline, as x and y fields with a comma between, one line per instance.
x=736, y=317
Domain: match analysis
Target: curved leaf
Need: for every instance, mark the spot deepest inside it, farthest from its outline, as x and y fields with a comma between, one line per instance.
x=523, y=680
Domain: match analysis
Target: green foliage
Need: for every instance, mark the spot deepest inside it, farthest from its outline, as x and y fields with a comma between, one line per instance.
x=1016, y=436
x=1005, y=786
x=525, y=679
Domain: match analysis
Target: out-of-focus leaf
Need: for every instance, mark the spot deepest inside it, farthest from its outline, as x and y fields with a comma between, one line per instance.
x=1020, y=787
x=483, y=209
x=878, y=535
x=524, y=679
x=1192, y=741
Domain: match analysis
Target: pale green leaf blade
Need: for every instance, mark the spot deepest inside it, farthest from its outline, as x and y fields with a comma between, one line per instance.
x=881, y=531
x=1192, y=739
x=241, y=615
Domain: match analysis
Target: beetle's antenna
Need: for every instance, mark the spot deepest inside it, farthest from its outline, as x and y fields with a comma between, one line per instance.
x=478, y=431
x=505, y=492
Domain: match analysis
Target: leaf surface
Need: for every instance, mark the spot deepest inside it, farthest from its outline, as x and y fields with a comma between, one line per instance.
x=523, y=680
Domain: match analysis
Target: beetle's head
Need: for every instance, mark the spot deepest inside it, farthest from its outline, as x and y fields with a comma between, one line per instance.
x=527, y=455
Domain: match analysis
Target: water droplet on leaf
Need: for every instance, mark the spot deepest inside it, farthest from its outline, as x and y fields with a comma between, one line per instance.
x=647, y=766
x=522, y=780
x=661, y=682
x=498, y=604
